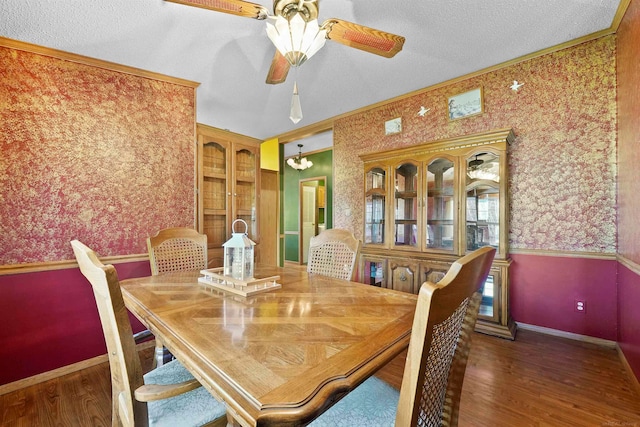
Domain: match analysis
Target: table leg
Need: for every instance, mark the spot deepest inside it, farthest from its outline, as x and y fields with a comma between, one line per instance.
x=231, y=421
x=161, y=355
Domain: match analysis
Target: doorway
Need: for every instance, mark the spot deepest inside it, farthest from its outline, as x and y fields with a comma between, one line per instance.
x=312, y=212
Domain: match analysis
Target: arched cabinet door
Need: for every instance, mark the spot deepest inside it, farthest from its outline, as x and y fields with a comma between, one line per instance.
x=375, y=206
x=245, y=187
x=406, y=212
x=441, y=196
x=485, y=202
x=214, y=193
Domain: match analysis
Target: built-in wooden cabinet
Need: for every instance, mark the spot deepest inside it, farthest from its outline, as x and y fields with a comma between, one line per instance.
x=427, y=205
x=228, y=186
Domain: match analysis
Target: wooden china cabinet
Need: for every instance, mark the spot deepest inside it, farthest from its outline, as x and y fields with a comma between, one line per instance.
x=228, y=176
x=429, y=204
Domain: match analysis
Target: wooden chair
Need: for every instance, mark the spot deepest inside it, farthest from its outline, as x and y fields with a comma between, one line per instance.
x=445, y=317
x=166, y=396
x=175, y=249
x=333, y=253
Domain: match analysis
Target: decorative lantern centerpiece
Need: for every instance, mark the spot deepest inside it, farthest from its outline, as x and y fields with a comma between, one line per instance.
x=236, y=276
x=238, y=254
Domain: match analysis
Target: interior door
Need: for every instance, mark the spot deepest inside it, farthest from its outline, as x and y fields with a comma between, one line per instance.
x=269, y=211
x=308, y=219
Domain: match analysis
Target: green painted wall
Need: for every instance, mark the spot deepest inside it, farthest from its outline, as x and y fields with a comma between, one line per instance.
x=322, y=167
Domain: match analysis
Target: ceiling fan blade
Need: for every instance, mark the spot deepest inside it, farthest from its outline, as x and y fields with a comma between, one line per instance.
x=363, y=38
x=278, y=70
x=234, y=7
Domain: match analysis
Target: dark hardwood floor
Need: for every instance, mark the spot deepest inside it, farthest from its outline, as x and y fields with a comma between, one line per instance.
x=537, y=380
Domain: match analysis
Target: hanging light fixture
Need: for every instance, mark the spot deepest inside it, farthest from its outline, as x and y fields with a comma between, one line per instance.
x=300, y=163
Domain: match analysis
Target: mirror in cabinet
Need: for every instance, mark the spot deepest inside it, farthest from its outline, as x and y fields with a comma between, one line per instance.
x=441, y=206
x=406, y=206
x=375, y=202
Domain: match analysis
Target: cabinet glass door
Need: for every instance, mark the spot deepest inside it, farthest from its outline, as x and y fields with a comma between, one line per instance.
x=375, y=199
x=483, y=201
x=440, y=205
x=374, y=271
x=214, y=193
x=245, y=190
x=406, y=206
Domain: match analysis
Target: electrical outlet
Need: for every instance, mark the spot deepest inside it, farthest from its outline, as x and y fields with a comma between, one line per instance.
x=580, y=306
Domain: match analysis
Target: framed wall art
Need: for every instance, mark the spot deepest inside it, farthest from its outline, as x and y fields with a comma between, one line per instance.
x=466, y=104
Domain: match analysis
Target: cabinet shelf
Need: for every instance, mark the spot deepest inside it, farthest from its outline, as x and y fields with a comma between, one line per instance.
x=406, y=194
x=214, y=175
x=246, y=179
x=440, y=192
x=376, y=192
x=406, y=221
x=436, y=221
x=214, y=212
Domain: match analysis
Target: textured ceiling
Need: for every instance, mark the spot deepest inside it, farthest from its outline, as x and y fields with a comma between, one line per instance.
x=230, y=55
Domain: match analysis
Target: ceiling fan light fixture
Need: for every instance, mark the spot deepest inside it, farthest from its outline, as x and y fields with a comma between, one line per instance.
x=296, y=38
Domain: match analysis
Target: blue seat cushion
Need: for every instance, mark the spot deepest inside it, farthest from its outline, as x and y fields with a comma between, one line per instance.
x=194, y=408
x=372, y=404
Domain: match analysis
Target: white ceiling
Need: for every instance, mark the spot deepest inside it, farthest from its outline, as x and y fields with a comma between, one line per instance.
x=230, y=55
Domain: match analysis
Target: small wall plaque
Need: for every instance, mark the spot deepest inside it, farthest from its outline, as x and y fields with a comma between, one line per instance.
x=393, y=126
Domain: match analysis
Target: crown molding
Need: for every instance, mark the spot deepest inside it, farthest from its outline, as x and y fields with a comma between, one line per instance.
x=85, y=60
x=327, y=124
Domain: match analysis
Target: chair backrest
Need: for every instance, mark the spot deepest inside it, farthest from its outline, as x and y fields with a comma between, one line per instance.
x=333, y=253
x=444, y=321
x=177, y=249
x=126, y=370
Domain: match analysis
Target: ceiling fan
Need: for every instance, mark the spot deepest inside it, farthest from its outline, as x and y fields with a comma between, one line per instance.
x=294, y=30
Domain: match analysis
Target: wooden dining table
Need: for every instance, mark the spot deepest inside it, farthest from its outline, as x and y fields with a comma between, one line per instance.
x=281, y=357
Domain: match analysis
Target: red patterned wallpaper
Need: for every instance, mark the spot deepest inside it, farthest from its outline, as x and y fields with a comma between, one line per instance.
x=629, y=133
x=102, y=156
x=562, y=164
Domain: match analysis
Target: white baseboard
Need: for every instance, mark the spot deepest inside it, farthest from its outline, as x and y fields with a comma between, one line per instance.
x=570, y=335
